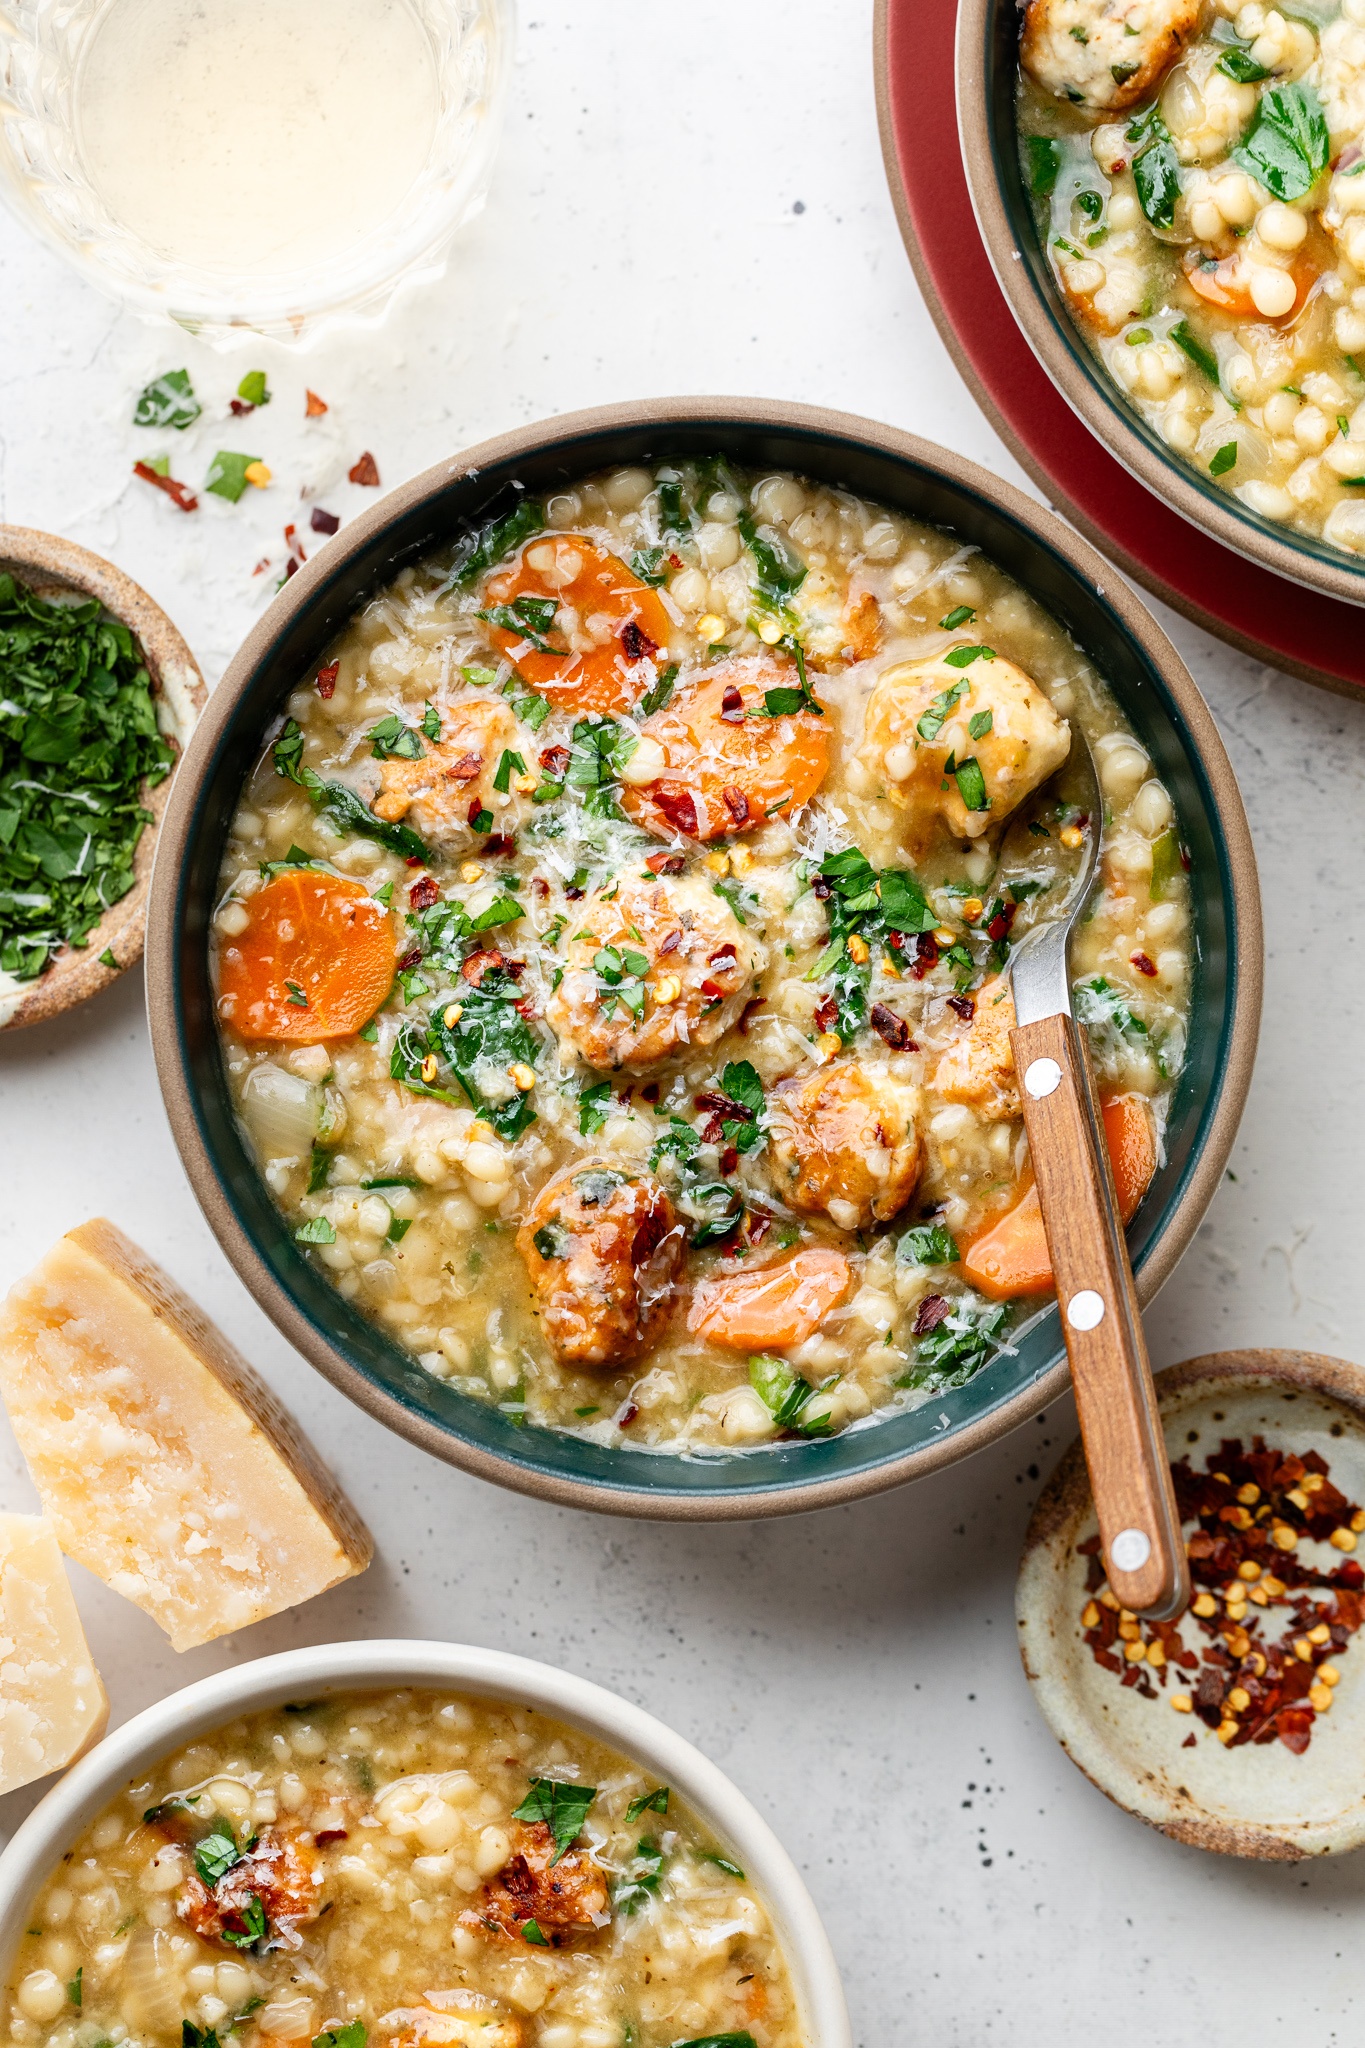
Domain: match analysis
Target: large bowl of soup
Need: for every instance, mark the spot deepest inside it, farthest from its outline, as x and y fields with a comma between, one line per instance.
x=1172, y=198
x=401, y=1844
x=580, y=961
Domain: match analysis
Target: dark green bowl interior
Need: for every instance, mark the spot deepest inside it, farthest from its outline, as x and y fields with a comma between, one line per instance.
x=1001, y=72
x=890, y=480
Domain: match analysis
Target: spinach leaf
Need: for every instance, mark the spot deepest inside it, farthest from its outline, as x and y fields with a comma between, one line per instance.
x=785, y=1394
x=337, y=801
x=927, y=1244
x=958, y=1343
x=599, y=749
x=1044, y=164
x=530, y=619
x=648, y=1802
x=561, y=1806
x=486, y=546
x=391, y=737
x=352, y=2035
x=642, y=1879
x=489, y=1036
x=1199, y=353
x=227, y=474
x=1156, y=170
x=215, y=1856
x=781, y=572
x=644, y=564
x=1286, y=147
x=593, y=1108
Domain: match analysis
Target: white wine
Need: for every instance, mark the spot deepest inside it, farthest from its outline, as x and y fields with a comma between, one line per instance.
x=255, y=139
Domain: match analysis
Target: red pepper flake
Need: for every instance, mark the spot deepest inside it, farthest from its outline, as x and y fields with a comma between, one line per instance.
x=926, y=955
x=964, y=1006
x=366, y=471
x=554, y=760
x=636, y=642
x=415, y=860
x=931, y=1312
x=826, y=1015
x=628, y=1415
x=754, y=1004
x=486, y=961
x=729, y=1159
x=1143, y=963
x=1002, y=923
x=732, y=705
x=297, y=557
x=893, y=1029
x=679, y=807
x=327, y=679
x=326, y=1835
x=323, y=522
x=424, y=893
x=658, y=863
x=736, y=803
x=713, y=990
x=670, y=942
x=476, y=810
x=410, y=959
x=722, y=955
x=314, y=407
x=500, y=843
x=178, y=493
x=1249, y=1510
x=465, y=769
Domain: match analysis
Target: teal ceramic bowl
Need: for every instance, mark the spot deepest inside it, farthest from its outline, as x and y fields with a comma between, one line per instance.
x=987, y=78
x=1065, y=574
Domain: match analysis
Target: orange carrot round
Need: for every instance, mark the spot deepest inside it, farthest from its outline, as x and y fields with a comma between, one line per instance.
x=617, y=623
x=315, y=962
x=1011, y=1258
x=775, y=1307
x=730, y=766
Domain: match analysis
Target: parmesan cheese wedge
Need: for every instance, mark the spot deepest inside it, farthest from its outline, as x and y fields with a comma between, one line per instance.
x=167, y=1465
x=52, y=1705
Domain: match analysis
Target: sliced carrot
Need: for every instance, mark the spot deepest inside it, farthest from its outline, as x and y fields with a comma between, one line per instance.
x=731, y=766
x=775, y=1307
x=316, y=960
x=1227, y=285
x=1011, y=1257
x=617, y=622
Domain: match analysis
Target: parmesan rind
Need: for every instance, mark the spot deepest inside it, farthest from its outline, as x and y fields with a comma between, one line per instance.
x=52, y=1705
x=167, y=1465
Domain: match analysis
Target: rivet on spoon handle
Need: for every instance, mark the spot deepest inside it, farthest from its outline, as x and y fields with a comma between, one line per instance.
x=1130, y=1474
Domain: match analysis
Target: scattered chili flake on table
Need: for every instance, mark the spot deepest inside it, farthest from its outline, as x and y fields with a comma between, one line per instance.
x=323, y=522
x=314, y=407
x=1251, y=1509
x=178, y=493
x=366, y=471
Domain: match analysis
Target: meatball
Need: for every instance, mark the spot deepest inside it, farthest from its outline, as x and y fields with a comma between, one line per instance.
x=564, y=1896
x=273, y=1888
x=921, y=716
x=846, y=1142
x=978, y=1068
x=654, y=965
x=452, y=783
x=602, y=1248
x=1104, y=53
x=716, y=760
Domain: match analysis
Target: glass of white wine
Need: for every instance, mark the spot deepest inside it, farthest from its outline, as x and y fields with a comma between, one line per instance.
x=268, y=165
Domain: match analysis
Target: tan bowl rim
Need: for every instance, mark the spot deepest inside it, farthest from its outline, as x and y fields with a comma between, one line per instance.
x=367, y=1666
x=44, y=560
x=1064, y=1501
x=254, y=1271
x=1108, y=418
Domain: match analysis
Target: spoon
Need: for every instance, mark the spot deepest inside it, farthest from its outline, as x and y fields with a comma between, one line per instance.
x=1130, y=1474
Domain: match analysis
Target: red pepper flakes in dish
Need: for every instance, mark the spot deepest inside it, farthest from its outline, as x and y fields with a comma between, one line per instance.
x=178, y=493
x=1144, y=964
x=1250, y=1510
x=327, y=679
x=366, y=471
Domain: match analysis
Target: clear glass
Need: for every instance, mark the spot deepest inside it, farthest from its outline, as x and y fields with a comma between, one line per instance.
x=267, y=165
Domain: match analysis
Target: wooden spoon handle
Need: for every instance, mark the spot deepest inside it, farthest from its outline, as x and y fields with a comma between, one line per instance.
x=1130, y=1474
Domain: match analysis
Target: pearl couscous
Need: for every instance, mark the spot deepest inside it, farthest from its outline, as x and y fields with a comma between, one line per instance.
x=611, y=956
x=409, y=1870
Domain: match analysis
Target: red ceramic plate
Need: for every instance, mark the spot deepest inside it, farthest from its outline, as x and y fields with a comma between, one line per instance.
x=1300, y=630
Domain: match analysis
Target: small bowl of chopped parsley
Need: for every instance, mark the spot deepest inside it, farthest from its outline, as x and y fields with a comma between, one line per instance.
x=98, y=695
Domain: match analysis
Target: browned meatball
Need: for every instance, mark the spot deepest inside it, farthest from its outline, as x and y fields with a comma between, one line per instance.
x=279, y=1876
x=1105, y=53
x=602, y=1248
x=564, y=1898
x=453, y=781
x=978, y=1067
x=845, y=1143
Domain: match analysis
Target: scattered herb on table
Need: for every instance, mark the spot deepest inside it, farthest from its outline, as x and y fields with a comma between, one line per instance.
x=78, y=739
x=168, y=401
x=227, y=474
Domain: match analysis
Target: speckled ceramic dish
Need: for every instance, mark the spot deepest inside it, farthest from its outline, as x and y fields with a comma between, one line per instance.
x=1153, y=690
x=1257, y=1799
x=58, y=569
x=987, y=74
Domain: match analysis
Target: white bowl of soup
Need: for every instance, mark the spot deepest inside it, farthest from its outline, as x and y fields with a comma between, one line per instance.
x=388, y=1844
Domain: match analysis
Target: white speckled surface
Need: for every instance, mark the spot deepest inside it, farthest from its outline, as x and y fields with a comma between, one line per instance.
x=855, y=1672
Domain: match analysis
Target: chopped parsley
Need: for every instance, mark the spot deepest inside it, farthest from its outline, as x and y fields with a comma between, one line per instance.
x=642, y=1879
x=1044, y=164
x=78, y=738
x=1203, y=358
x=644, y=564
x=648, y=1802
x=786, y=1396
x=487, y=545
x=391, y=737
x=529, y=619
x=317, y=1230
x=253, y=389
x=599, y=749
x=1224, y=459
x=352, y=2035
x=252, y=1929
x=955, y=1346
x=168, y=401
x=963, y=657
x=216, y=1854
x=659, y=693
x=927, y=1244
x=227, y=474
x=935, y=716
x=971, y=784
x=960, y=615
x=593, y=1108
x=562, y=1807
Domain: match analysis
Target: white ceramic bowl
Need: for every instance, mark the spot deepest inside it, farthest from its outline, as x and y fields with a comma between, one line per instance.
x=368, y=1666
